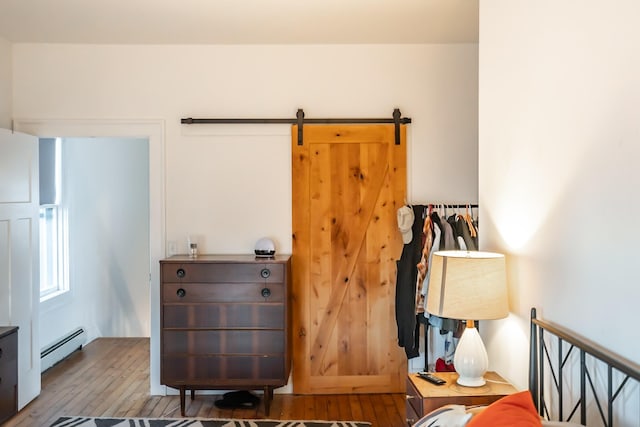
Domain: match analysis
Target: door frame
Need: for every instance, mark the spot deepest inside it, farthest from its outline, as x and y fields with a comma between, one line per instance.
x=154, y=131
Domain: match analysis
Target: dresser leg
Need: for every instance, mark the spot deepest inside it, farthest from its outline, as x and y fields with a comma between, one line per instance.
x=182, y=398
x=193, y=394
x=268, y=396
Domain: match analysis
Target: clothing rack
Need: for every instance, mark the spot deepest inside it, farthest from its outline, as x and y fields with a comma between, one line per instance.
x=426, y=324
x=396, y=119
x=451, y=206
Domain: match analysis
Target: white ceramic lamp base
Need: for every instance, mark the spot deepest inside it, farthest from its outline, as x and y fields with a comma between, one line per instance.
x=470, y=359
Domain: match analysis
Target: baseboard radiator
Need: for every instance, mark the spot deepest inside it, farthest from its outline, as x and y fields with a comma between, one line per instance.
x=62, y=348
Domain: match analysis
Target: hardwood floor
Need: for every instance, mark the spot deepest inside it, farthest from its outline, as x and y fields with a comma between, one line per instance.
x=110, y=377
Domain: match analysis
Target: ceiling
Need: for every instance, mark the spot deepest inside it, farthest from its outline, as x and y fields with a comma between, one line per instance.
x=239, y=21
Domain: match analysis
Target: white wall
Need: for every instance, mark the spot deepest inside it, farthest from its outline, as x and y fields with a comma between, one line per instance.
x=5, y=83
x=106, y=193
x=231, y=184
x=559, y=147
x=207, y=177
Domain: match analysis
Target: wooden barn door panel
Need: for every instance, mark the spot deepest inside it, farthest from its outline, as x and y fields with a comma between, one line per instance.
x=348, y=182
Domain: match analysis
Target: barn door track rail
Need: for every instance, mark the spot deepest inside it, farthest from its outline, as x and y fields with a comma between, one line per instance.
x=396, y=119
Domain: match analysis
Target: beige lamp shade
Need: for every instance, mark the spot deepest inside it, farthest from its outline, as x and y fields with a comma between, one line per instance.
x=467, y=285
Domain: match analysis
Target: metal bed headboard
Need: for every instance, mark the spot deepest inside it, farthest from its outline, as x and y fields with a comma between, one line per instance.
x=548, y=341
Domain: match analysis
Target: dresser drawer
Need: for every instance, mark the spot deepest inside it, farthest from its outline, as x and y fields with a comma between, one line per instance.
x=411, y=415
x=414, y=400
x=222, y=272
x=237, y=315
x=222, y=370
x=216, y=292
x=229, y=342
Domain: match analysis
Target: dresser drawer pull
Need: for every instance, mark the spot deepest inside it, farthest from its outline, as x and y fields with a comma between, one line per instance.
x=181, y=293
x=265, y=273
x=266, y=292
x=410, y=421
x=409, y=397
x=181, y=273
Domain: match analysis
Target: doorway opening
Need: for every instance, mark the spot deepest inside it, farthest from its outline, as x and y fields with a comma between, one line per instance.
x=153, y=132
x=102, y=202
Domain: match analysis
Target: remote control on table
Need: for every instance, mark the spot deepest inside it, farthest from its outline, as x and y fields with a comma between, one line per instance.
x=431, y=378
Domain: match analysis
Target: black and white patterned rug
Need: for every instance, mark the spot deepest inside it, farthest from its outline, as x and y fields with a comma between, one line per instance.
x=195, y=422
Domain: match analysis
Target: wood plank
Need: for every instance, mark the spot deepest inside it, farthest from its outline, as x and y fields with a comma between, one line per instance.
x=321, y=408
x=379, y=410
x=147, y=407
x=367, y=408
x=311, y=407
x=301, y=248
x=392, y=409
x=344, y=408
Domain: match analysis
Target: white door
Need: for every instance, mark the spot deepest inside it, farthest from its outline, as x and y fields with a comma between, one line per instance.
x=19, y=254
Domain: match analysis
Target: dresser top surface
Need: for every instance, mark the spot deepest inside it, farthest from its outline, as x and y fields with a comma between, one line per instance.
x=227, y=258
x=6, y=330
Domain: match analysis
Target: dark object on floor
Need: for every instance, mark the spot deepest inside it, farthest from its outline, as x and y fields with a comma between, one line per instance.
x=238, y=399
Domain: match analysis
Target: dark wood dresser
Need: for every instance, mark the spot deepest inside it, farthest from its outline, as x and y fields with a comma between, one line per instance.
x=8, y=372
x=225, y=323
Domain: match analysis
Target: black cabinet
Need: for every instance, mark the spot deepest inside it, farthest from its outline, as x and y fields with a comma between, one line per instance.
x=8, y=372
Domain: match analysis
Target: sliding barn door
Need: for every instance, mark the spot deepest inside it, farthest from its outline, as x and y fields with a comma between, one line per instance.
x=348, y=182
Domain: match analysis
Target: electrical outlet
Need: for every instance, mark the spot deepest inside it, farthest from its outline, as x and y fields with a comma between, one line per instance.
x=172, y=248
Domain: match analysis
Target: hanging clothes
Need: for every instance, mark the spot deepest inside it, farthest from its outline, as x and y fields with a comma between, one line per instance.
x=423, y=265
x=465, y=240
x=431, y=231
x=406, y=274
x=448, y=240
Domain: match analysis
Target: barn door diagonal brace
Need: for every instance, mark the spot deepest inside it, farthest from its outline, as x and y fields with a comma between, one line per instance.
x=396, y=119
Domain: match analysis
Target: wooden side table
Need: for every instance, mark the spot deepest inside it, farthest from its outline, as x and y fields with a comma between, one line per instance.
x=423, y=397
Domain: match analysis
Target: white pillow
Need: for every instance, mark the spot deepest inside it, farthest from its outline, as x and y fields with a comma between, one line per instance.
x=445, y=416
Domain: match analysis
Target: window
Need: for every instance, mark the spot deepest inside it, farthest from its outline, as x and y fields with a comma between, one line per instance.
x=53, y=242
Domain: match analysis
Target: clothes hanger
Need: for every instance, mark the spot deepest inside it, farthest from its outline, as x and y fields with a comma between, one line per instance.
x=469, y=221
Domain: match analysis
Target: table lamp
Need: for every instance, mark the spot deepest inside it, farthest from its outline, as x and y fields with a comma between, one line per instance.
x=468, y=285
